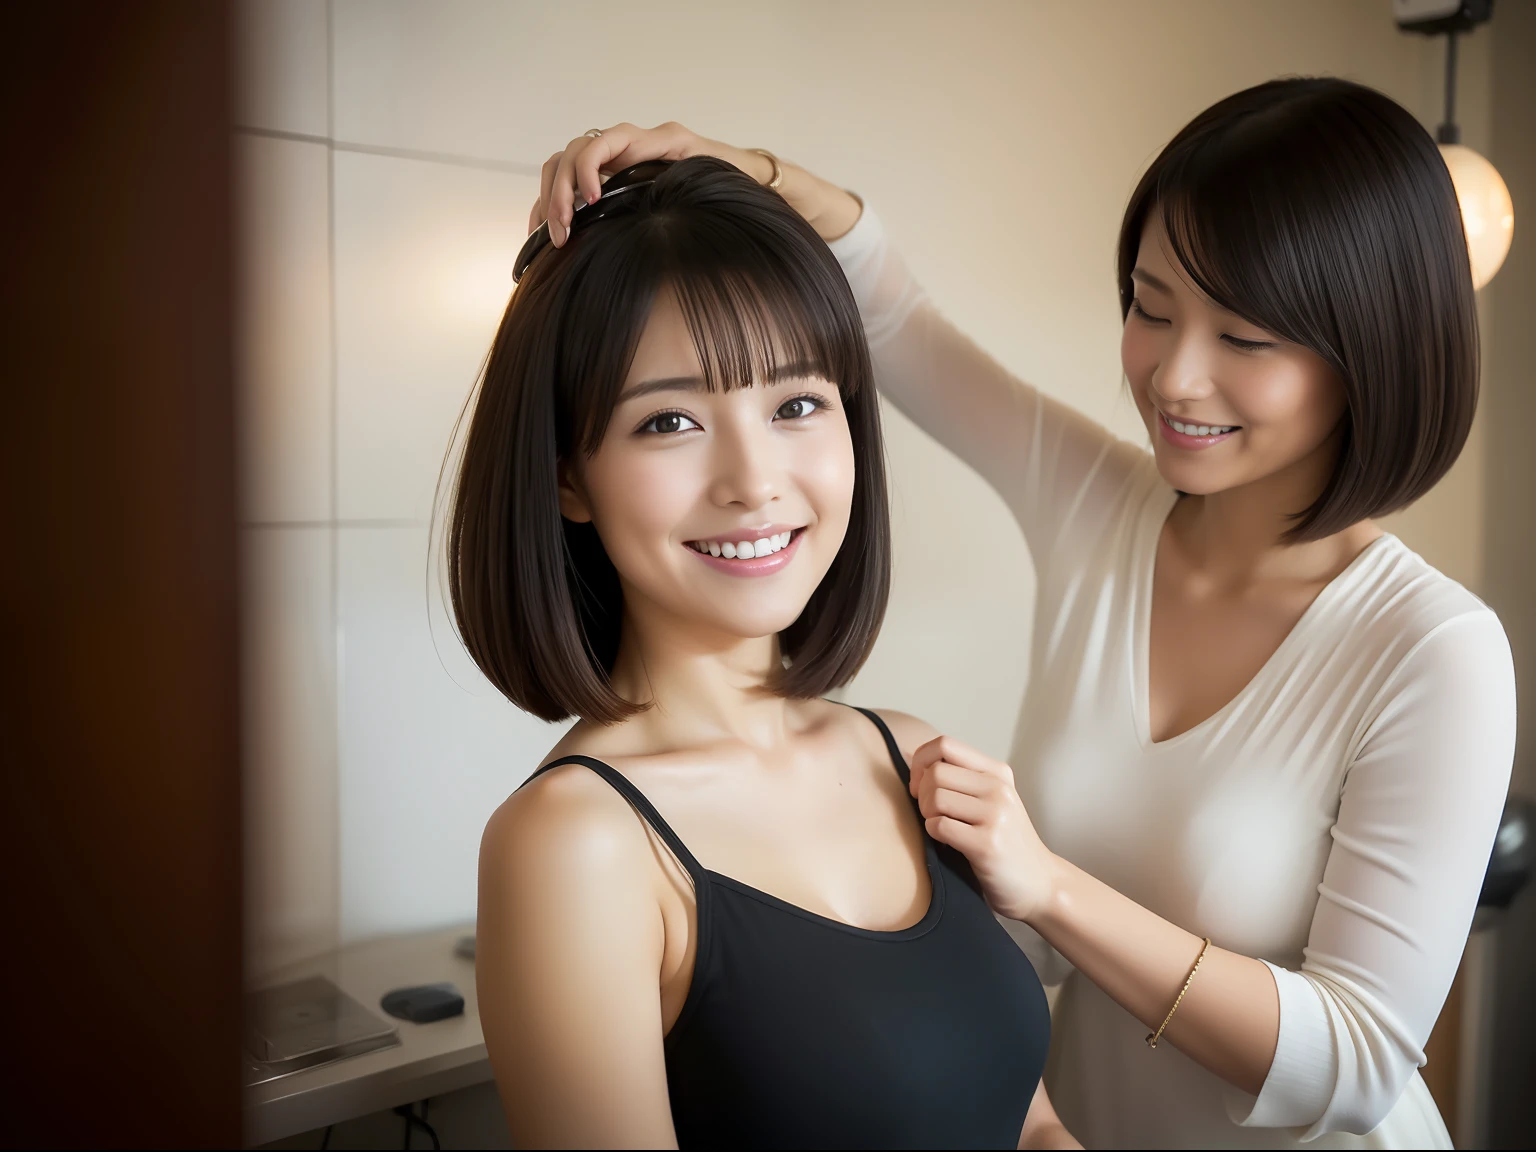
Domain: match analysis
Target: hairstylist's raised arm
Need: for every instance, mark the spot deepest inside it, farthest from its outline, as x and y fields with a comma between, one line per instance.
x=569, y=942
x=1042, y=457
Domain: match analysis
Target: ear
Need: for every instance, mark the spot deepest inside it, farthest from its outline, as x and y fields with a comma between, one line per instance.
x=573, y=496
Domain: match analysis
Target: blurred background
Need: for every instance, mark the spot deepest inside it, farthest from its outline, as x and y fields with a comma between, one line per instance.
x=383, y=159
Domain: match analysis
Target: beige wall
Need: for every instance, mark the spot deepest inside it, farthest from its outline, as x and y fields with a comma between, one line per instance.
x=391, y=152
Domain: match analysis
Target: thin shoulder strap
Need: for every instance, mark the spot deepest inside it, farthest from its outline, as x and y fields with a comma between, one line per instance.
x=890, y=742
x=936, y=851
x=621, y=784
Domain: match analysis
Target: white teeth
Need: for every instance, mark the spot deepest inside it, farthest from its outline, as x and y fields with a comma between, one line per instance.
x=1199, y=429
x=745, y=549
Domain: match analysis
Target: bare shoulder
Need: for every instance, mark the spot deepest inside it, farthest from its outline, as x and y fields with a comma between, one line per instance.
x=567, y=824
x=910, y=732
x=569, y=942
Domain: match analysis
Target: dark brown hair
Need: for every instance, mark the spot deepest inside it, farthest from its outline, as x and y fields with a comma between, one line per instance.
x=536, y=598
x=1321, y=211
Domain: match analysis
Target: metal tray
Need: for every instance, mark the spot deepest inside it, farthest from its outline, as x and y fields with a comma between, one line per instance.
x=293, y=1027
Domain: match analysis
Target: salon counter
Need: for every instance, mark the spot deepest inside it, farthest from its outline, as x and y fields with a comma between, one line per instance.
x=431, y=1059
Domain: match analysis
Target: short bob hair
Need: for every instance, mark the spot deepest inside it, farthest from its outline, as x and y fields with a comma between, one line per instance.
x=1321, y=211
x=536, y=598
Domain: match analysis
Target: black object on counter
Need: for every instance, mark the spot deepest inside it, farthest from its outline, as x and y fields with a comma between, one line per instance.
x=424, y=1003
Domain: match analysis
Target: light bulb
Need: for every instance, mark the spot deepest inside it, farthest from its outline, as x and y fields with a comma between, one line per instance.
x=1487, y=213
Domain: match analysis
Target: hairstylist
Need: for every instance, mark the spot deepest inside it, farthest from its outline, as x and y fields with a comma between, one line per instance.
x=1266, y=743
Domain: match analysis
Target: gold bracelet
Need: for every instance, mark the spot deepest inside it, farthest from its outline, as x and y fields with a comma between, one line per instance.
x=778, y=173
x=1152, y=1037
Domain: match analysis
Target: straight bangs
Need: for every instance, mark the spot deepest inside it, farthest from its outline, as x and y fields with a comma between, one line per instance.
x=755, y=310
x=751, y=324
x=1322, y=212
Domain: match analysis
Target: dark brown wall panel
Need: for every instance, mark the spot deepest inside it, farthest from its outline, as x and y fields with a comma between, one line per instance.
x=119, y=578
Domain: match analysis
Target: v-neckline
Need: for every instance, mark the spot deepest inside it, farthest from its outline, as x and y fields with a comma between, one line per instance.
x=1141, y=639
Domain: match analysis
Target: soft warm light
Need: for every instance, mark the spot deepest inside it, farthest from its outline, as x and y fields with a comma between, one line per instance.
x=1487, y=212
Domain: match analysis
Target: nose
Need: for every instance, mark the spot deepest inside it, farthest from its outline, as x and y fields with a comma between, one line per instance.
x=748, y=474
x=1183, y=374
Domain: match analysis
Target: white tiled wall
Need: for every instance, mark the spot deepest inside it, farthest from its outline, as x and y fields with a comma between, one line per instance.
x=289, y=721
x=424, y=253
x=285, y=330
x=390, y=153
x=285, y=58
x=428, y=747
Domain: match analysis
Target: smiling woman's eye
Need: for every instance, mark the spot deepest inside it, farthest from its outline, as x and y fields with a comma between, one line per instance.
x=667, y=423
x=799, y=408
x=1243, y=345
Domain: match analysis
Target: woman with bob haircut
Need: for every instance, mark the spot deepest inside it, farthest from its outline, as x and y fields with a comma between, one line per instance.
x=712, y=918
x=1266, y=743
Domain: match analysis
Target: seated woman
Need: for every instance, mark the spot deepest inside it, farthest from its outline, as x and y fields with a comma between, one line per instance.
x=713, y=917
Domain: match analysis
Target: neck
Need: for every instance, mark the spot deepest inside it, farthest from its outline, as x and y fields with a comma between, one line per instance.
x=698, y=685
x=1237, y=536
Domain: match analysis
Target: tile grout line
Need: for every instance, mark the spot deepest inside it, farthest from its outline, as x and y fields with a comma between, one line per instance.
x=262, y=133
x=355, y=522
x=452, y=159
x=338, y=651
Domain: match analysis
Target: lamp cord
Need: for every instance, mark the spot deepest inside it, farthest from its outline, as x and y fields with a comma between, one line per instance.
x=1449, y=133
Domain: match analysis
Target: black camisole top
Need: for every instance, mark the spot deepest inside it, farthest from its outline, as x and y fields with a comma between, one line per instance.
x=800, y=1031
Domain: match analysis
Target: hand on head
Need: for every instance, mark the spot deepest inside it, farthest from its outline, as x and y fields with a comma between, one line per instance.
x=578, y=169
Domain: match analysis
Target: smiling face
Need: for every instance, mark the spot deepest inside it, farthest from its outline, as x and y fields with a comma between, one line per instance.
x=1226, y=403
x=720, y=510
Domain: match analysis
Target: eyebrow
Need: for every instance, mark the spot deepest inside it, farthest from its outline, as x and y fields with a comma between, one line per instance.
x=795, y=371
x=1150, y=280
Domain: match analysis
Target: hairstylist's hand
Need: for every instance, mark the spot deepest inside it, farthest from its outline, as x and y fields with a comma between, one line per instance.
x=579, y=168
x=969, y=802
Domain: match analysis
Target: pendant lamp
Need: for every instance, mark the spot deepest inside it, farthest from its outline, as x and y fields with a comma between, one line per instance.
x=1487, y=213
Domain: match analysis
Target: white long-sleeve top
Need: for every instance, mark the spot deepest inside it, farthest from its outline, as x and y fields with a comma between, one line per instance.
x=1334, y=819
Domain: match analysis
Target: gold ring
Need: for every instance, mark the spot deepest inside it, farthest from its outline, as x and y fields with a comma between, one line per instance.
x=593, y=132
